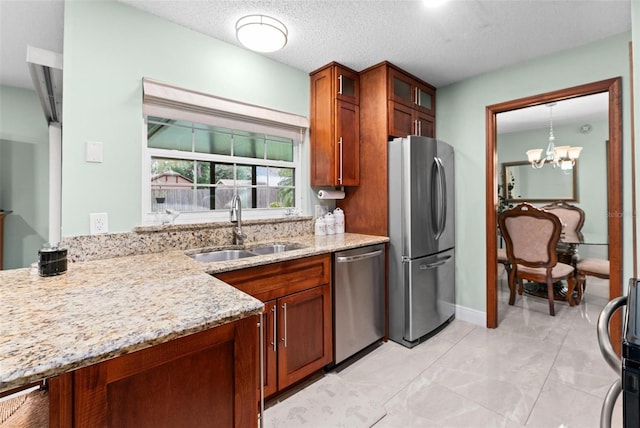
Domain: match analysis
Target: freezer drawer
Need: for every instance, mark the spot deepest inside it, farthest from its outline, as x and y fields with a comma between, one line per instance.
x=429, y=294
x=359, y=305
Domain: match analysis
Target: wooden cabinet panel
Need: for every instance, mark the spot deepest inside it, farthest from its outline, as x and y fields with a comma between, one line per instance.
x=401, y=122
x=270, y=380
x=405, y=121
x=425, y=98
x=303, y=287
x=348, y=84
x=400, y=87
x=275, y=280
x=392, y=104
x=425, y=124
x=61, y=401
x=207, y=379
x=410, y=91
x=348, y=147
x=305, y=332
x=322, y=149
x=334, y=133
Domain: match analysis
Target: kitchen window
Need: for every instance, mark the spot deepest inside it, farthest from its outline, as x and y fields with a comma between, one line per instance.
x=197, y=157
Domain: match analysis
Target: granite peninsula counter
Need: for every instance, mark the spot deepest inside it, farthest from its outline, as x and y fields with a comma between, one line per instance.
x=101, y=309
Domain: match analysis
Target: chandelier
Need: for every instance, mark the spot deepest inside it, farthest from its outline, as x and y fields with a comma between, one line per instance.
x=559, y=156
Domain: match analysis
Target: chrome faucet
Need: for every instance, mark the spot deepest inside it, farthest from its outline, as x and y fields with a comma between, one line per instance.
x=235, y=216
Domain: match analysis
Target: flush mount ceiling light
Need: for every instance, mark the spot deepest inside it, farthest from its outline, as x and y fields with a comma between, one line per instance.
x=261, y=33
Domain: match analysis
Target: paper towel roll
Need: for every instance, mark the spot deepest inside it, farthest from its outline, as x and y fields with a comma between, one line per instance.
x=330, y=194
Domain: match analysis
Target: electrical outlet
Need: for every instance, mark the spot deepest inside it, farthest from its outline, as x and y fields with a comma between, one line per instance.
x=98, y=223
x=321, y=210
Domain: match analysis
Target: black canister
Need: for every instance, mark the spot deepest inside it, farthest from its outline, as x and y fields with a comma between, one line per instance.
x=52, y=261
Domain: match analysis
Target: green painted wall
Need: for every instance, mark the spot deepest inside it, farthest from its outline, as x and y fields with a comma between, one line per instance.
x=461, y=122
x=109, y=47
x=24, y=170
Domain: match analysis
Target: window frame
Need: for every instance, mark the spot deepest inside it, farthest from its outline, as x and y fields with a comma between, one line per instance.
x=248, y=213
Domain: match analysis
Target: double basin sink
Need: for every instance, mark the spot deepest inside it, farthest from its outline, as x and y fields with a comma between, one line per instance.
x=234, y=254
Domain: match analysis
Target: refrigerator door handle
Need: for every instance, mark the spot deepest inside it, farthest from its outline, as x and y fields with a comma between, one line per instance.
x=440, y=262
x=439, y=215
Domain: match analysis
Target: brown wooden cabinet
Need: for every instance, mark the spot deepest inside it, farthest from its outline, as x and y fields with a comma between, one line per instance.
x=334, y=134
x=392, y=104
x=405, y=121
x=304, y=329
x=270, y=355
x=206, y=379
x=298, y=322
x=410, y=91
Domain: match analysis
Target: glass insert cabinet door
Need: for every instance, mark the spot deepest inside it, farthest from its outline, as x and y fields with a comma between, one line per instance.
x=347, y=85
x=411, y=92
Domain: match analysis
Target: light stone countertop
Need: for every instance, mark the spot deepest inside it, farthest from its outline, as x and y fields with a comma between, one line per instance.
x=104, y=308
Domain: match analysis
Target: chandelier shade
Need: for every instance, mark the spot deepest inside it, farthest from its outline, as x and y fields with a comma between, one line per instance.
x=558, y=156
x=261, y=33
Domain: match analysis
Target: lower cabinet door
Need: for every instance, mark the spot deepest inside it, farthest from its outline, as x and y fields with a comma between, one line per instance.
x=270, y=379
x=304, y=329
x=207, y=379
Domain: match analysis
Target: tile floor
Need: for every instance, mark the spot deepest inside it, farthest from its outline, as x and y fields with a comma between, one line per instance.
x=533, y=371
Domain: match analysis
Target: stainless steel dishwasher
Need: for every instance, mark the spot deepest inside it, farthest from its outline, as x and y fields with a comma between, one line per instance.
x=358, y=293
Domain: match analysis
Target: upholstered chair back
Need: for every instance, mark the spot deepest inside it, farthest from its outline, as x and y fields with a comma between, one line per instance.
x=572, y=217
x=531, y=235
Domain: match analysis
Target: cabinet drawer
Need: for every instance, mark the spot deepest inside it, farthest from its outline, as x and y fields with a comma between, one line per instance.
x=275, y=280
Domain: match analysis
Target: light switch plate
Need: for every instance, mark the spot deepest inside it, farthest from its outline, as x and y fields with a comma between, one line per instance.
x=98, y=223
x=94, y=151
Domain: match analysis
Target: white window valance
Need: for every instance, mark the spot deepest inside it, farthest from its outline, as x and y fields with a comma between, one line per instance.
x=170, y=101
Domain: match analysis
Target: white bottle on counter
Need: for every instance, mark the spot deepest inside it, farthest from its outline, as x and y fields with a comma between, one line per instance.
x=321, y=227
x=331, y=224
x=338, y=214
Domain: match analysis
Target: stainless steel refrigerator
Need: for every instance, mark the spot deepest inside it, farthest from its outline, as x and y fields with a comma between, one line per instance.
x=421, y=232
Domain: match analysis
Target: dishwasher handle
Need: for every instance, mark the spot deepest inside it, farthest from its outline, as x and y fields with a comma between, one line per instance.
x=349, y=259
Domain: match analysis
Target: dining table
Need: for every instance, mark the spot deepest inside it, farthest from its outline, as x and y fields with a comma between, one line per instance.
x=568, y=251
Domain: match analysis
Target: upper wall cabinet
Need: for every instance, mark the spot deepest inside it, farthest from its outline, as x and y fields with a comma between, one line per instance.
x=405, y=121
x=412, y=92
x=335, y=126
x=392, y=104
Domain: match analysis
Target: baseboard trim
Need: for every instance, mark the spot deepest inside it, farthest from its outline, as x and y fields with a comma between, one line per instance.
x=472, y=316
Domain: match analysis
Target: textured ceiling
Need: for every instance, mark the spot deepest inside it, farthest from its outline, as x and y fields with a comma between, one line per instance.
x=456, y=41
x=440, y=45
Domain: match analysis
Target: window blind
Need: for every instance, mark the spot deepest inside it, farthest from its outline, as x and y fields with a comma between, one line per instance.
x=170, y=101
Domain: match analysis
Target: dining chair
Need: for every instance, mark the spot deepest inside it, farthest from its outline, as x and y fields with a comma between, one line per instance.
x=589, y=267
x=532, y=235
x=504, y=259
x=571, y=216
